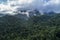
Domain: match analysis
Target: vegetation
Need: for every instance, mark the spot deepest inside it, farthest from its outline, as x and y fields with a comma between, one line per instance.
x=43, y=27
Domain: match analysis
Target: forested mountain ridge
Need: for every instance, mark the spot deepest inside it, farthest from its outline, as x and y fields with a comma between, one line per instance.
x=41, y=27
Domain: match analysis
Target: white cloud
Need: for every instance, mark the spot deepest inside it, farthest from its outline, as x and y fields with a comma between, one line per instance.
x=11, y=5
x=53, y=2
x=53, y=5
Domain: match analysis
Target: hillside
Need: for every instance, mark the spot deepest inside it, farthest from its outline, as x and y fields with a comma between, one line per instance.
x=41, y=27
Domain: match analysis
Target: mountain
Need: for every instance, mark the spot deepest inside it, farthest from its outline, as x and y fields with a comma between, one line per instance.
x=34, y=13
x=2, y=14
x=21, y=16
x=37, y=27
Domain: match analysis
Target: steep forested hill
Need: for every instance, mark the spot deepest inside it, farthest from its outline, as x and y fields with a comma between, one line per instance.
x=43, y=27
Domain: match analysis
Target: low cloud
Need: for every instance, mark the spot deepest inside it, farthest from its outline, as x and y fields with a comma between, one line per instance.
x=43, y=5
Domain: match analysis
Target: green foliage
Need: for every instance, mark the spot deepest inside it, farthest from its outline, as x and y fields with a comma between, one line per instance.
x=43, y=27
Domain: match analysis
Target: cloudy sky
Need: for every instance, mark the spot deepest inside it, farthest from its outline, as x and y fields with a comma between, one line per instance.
x=9, y=6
